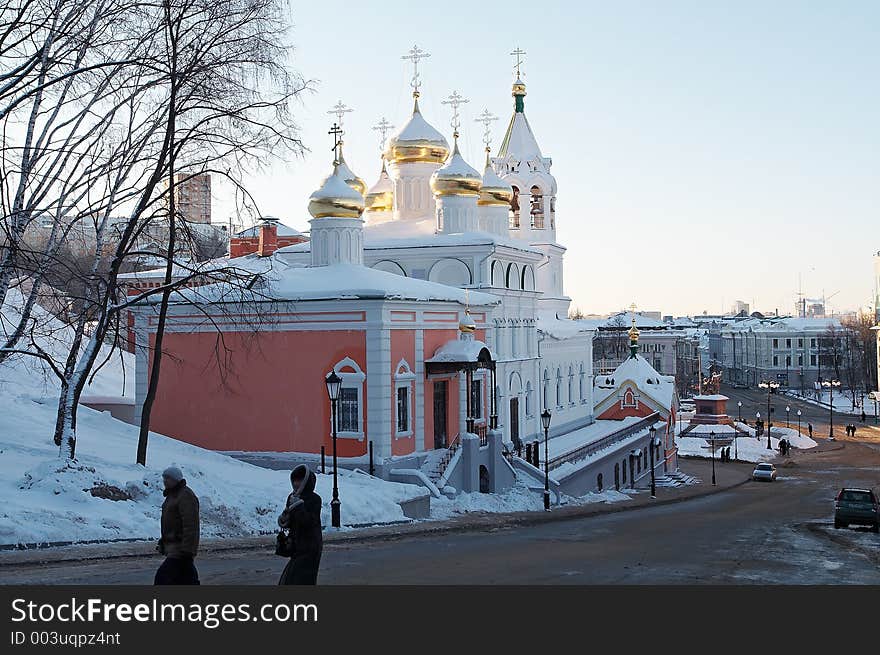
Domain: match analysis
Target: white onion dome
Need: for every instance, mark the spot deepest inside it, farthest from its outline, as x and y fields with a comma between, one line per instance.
x=417, y=141
x=336, y=198
x=495, y=192
x=456, y=177
x=348, y=175
x=380, y=197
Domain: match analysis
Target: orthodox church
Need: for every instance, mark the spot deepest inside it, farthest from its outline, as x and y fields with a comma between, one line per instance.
x=436, y=295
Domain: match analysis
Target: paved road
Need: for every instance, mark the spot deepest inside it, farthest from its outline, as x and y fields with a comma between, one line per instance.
x=755, y=400
x=755, y=533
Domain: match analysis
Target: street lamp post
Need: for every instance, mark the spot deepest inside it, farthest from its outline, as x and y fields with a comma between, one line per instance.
x=787, y=416
x=831, y=385
x=740, y=406
x=653, y=433
x=545, y=421
x=712, y=438
x=770, y=386
x=757, y=420
x=334, y=386
x=799, y=422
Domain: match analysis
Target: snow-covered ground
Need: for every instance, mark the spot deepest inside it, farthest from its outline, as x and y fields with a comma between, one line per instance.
x=518, y=499
x=105, y=495
x=47, y=499
x=748, y=448
x=843, y=401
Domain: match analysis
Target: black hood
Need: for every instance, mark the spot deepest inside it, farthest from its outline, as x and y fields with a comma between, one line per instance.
x=309, y=482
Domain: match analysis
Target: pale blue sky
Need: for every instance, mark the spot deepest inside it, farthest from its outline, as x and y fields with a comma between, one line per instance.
x=705, y=151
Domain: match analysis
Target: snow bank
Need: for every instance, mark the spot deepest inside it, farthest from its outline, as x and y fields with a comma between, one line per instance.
x=518, y=499
x=748, y=448
x=105, y=495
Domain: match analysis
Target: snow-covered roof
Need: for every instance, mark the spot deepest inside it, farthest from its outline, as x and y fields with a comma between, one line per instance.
x=460, y=350
x=562, y=328
x=637, y=370
x=625, y=319
x=283, y=231
x=338, y=281
x=519, y=140
x=421, y=234
x=714, y=396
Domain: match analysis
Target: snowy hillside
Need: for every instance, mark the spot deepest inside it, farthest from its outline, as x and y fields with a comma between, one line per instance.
x=105, y=495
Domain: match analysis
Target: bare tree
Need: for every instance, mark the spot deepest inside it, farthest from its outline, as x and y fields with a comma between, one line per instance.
x=195, y=86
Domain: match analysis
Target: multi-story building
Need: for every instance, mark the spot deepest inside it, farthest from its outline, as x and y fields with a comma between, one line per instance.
x=193, y=197
x=796, y=352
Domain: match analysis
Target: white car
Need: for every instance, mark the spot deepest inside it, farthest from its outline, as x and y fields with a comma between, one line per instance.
x=764, y=471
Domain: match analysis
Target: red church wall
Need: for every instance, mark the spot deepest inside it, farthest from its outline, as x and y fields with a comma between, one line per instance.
x=618, y=413
x=403, y=346
x=269, y=396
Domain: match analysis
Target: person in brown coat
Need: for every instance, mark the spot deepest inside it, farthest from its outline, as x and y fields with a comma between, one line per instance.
x=180, y=531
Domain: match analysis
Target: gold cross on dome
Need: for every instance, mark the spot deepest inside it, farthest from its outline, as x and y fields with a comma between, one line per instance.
x=336, y=133
x=518, y=53
x=340, y=110
x=487, y=118
x=455, y=100
x=383, y=127
x=633, y=308
x=415, y=55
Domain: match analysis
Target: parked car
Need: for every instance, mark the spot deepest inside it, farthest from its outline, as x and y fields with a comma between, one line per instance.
x=740, y=385
x=687, y=406
x=764, y=471
x=856, y=506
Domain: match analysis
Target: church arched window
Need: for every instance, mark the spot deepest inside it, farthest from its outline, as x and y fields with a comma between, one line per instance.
x=558, y=388
x=514, y=209
x=570, y=385
x=581, y=377
x=537, y=208
x=546, y=390
x=552, y=212
x=528, y=398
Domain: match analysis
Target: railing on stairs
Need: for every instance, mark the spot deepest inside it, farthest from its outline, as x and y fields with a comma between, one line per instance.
x=608, y=440
x=447, y=457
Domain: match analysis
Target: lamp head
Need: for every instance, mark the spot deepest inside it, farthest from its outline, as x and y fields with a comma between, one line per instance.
x=334, y=384
x=545, y=418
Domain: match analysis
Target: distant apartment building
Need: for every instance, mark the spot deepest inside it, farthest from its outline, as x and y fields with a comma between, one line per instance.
x=739, y=308
x=192, y=195
x=796, y=352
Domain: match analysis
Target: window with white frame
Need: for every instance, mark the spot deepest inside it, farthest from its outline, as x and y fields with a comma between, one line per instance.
x=350, y=412
x=404, y=379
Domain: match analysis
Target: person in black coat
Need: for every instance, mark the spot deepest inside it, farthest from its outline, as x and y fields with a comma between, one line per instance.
x=301, y=519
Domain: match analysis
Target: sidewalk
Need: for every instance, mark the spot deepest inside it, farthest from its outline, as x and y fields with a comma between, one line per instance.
x=727, y=476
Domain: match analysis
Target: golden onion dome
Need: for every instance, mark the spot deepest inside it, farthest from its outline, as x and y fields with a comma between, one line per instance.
x=467, y=325
x=456, y=177
x=633, y=331
x=380, y=197
x=417, y=141
x=336, y=198
x=348, y=175
x=495, y=192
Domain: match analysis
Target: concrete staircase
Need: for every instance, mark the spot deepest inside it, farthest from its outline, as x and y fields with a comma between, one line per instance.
x=676, y=479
